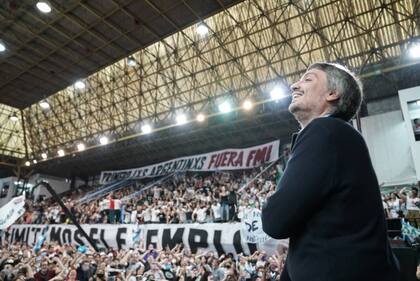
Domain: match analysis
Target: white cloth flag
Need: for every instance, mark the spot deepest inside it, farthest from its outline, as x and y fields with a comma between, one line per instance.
x=252, y=230
x=10, y=212
x=222, y=160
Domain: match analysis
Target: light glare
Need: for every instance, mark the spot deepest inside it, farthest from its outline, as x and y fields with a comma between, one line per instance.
x=44, y=155
x=44, y=104
x=277, y=93
x=43, y=7
x=131, y=61
x=81, y=147
x=103, y=140
x=201, y=117
x=80, y=85
x=225, y=107
x=2, y=47
x=414, y=51
x=202, y=29
x=247, y=105
x=181, y=119
x=27, y=163
x=146, y=129
x=60, y=152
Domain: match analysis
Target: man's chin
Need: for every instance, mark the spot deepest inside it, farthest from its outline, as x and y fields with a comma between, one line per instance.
x=293, y=107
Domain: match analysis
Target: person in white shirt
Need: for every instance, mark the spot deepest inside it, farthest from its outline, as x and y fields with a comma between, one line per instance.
x=133, y=216
x=117, y=210
x=127, y=214
x=201, y=213
x=411, y=199
x=155, y=212
x=216, y=211
x=53, y=215
x=189, y=193
x=241, y=209
x=181, y=213
x=156, y=192
x=412, y=203
x=394, y=207
x=104, y=207
x=147, y=215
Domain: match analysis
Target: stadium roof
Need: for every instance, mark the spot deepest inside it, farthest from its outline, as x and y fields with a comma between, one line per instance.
x=145, y=62
x=48, y=52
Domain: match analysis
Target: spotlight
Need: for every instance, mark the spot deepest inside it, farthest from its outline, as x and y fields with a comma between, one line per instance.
x=80, y=146
x=43, y=6
x=14, y=117
x=146, y=129
x=60, y=152
x=103, y=140
x=2, y=47
x=247, y=105
x=225, y=107
x=201, y=117
x=44, y=104
x=202, y=29
x=277, y=93
x=414, y=51
x=27, y=163
x=181, y=119
x=131, y=61
x=80, y=85
x=44, y=155
x=34, y=161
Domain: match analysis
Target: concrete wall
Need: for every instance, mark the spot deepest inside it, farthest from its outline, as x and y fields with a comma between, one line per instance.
x=385, y=105
x=60, y=185
x=5, y=196
x=408, y=97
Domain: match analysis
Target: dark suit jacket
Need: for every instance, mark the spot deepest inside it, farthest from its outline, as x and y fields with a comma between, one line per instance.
x=328, y=203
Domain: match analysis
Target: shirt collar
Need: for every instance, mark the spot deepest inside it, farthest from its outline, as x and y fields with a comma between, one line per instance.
x=296, y=135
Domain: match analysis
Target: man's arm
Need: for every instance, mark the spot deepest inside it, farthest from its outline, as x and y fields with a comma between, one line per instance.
x=305, y=183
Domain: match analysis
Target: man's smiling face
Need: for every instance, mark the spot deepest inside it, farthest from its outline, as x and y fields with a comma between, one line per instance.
x=309, y=94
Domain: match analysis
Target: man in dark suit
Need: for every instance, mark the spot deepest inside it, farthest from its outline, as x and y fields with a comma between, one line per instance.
x=328, y=201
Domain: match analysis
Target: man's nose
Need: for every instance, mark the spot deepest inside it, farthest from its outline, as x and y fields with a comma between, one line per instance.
x=295, y=86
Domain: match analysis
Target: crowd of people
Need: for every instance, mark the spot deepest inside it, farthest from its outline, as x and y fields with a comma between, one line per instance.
x=404, y=203
x=58, y=263
x=216, y=197
x=190, y=198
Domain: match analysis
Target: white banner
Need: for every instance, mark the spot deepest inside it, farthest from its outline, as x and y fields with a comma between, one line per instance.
x=221, y=238
x=252, y=231
x=10, y=212
x=222, y=160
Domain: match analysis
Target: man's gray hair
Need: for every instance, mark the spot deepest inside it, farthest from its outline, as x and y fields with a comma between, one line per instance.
x=346, y=84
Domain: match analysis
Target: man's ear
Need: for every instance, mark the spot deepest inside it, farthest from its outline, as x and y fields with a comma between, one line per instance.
x=332, y=96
